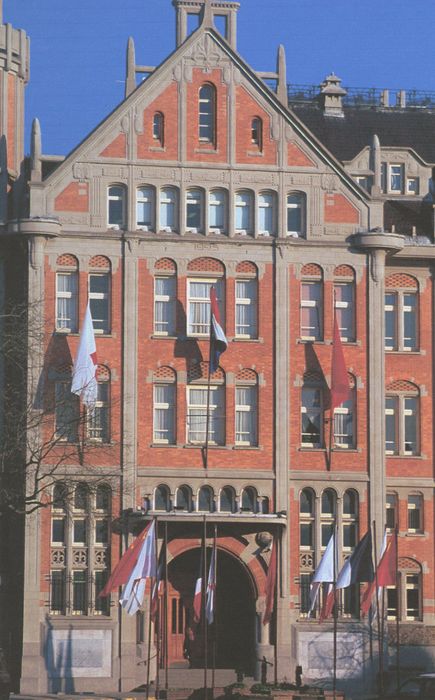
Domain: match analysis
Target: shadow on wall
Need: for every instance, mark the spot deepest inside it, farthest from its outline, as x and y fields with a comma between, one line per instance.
x=58, y=656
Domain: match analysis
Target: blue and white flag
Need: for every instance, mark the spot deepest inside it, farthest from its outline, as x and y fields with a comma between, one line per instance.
x=211, y=589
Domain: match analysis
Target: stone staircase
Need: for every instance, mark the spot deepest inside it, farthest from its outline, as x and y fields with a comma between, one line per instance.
x=194, y=678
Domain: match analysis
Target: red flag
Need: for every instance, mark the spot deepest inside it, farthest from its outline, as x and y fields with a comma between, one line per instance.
x=386, y=574
x=340, y=390
x=121, y=572
x=270, y=585
x=197, y=596
x=328, y=602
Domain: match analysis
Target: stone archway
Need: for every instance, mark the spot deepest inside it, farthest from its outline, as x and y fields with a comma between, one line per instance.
x=234, y=630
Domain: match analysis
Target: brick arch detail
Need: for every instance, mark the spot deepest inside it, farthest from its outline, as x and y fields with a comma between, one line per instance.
x=206, y=265
x=67, y=260
x=100, y=262
x=401, y=280
x=402, y=385
x=232, y=546
x=409, y=564
x=166, y=264
x=312, y=270
x=246, y=267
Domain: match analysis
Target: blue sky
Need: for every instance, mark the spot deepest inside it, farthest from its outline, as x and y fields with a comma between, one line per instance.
x=78, y=49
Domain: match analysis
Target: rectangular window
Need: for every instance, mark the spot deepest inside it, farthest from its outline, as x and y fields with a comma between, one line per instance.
x=391, y=321
x=409, y=321
x=98, y=418
x=167, y=210
x=57, y=592
x=312, y=416
x=413, y=185
x=391, y=442
x=243, y=213
x=80, y=531
x=345, y=310
x=246, y=416
x=413, y=605
x=306, y=535
x=344, y=425
x=305, y=602
x=145, y=208
x=194, y=210
x=198, y=303
x=410, y=426
x=101, y=605
x=66, y=412
x=66, y=301
x=197, y=415
x=396, y=178
x=101, y=531
x=266, y=214
x=391, y=603
x=99, y=300
x=349, y=535
x=415, y=510
x=58, y=531
x=216, y=211
x=311, y=311
x=391, y=511
x=246, y=308
x=164, y=413
x=165, y=300
x=115, y=205
x=79, y=593
x=326, y=533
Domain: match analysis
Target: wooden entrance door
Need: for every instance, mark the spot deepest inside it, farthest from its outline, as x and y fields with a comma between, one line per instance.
x=177, y=624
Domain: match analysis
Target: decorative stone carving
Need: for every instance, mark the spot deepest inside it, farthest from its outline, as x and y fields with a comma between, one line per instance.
x=328, y=182
x=306, y=560
x=206, y=55
x=138, y=122
x=80, y=171
x=100, y=557
x=264, y=540
x=80, y=557
x=57, y=557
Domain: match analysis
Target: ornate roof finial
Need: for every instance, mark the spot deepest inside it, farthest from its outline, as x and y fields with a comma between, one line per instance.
x=36, y=151
x=207, y=14
x=130, y=77
x=282, y=76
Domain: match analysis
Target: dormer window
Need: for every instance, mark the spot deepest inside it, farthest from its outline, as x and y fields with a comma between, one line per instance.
x=158, y=128
x=206, y=107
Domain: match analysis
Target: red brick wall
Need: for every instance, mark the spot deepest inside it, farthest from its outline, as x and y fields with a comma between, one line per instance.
x=246, y=151
x=167, y=104
x=338, y=210
x=117, y=148
x=295, y=156
x=75, y=197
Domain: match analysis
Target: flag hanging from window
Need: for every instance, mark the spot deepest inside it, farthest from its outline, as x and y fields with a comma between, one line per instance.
x=340, y=389
x=271, y=585
x=84, y=375
x=218, y=341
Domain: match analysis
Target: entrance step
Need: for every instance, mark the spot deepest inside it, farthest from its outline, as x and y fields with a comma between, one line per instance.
x=194, y=678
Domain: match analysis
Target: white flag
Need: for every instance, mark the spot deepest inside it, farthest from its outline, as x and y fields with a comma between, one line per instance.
x=84, y=380
x=133, y=591
x=324, y=572
x=211, y=589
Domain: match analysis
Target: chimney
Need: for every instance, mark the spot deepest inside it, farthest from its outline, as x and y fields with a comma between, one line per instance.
x=331, y=96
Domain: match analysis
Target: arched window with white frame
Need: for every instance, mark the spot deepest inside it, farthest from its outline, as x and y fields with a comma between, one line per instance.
x=227, y=500
x=116, y=206
x=168, y=217
x=296, y=215
x=266, y=214
x=244, y=212
x=162, y=498
x=217, y=211
x=207, y=113
x=145, y=208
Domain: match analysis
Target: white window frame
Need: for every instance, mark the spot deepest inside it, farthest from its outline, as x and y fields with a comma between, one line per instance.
x=169, y=406
x=398, y=309
x=168, y=196
x=247, y=331
x=266, y=201
x=242, y=199
x=387, y=174
x=198, y=202
x=145, y=195
x=400, y=413
x=216, y=415
x=300, y=205
x=251, y=438
x=159, y=128
x=257, y=132
x=170, y=302
x=345, y=409
x=218, y=198
x=316, y=411
x=101, y=411
x=120, y=197
x=409, y=189
x=347, y=305
x=312, y=304
x=415, y=507
x=219, y=284
x=101, y=296
x=207, y=116
x=71, y=324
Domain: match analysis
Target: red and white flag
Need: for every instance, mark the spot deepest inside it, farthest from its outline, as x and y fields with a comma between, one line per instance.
x=340, y=389
x=211, y=589
x=385, y=574
x=197, y=596
x=121, y=572
x=134, y=590
x=270, y=585
x=84, y=379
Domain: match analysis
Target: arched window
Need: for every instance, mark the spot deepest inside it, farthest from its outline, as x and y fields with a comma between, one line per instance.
x=194, y=211
x=227, y=500
x=402, y=418
x=257, y=132
x=344, y=302
x=244, y=212
x=162, y=498
x=206, y=499
x=81, y=495
x=168, y=209
x=249, y=500
x=67, y=294
x=145, y=206
x=207, y=113
x=183, y=500
x=116, y=206
x=401, y=313
x=266, y=214
x=328, y=506
x=306, y=518
x=296, y=215
x=158, y=128
x=217, y=211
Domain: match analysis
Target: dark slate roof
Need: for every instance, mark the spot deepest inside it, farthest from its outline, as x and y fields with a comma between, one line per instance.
x=346, y=137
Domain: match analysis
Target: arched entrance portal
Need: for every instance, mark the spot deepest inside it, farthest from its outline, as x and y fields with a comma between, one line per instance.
x=235, y=624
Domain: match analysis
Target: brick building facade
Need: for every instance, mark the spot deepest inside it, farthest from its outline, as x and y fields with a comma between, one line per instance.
x=211, y=174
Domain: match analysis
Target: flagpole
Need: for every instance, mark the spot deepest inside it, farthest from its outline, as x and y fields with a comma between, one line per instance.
x=214, y=611
x=334, y=677
x=149, y=633
x=158, y=616
x=204, y=615
x=380, y=630
x=275, y=608
x=331, y=416
x=398, y=610
x=207, y=419
x=165, y=610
